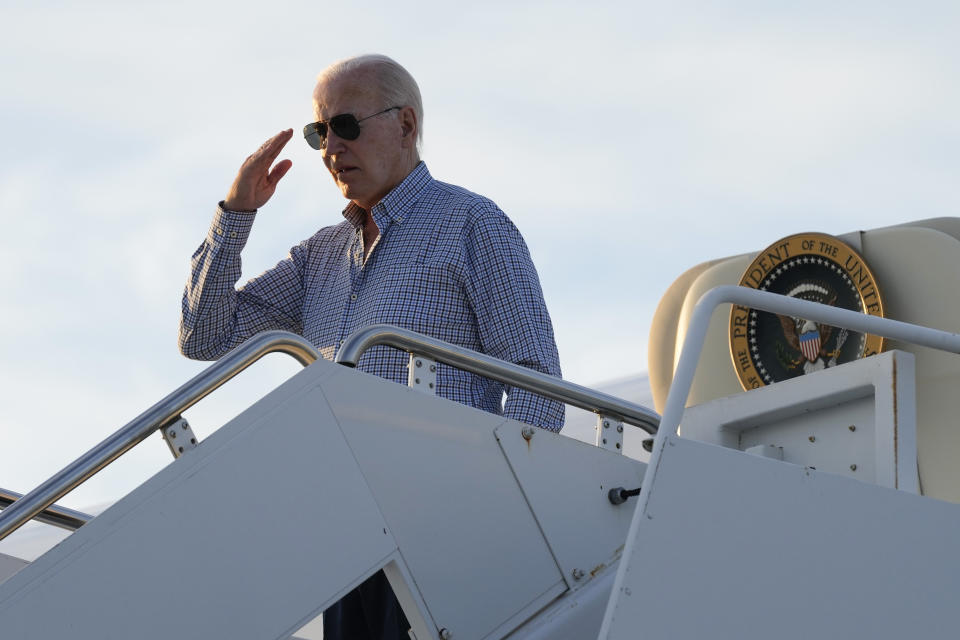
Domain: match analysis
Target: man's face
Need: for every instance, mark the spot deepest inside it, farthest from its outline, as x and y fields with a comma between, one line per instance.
x=365, y=169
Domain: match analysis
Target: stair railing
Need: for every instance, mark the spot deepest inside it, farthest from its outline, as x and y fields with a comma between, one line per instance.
x=508, y=373
x=156, y=417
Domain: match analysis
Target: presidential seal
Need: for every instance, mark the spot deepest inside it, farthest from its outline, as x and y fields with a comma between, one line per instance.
x=767, y=347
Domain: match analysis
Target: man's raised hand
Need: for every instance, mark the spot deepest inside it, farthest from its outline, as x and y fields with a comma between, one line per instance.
x=256, y=181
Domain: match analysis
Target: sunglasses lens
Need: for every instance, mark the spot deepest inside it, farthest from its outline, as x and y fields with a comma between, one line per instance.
x=315, y=134
x=346, y=126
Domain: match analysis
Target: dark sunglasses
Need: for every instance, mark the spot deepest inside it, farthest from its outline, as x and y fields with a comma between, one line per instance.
x=345, y=125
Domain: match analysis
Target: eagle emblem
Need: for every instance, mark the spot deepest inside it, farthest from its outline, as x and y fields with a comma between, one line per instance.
x=809, y=338
x=767, y=347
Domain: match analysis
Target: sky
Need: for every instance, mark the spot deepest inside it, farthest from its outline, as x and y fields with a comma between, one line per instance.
x=628, y=141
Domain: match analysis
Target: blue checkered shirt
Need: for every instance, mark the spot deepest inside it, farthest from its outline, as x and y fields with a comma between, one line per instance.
x=448, y=263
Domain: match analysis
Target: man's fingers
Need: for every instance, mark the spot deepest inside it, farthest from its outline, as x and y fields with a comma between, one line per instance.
x=272, y=147
x=256, y=181
x=279, y=171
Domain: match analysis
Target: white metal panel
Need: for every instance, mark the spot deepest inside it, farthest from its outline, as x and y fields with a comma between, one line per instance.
x=248, y=536
x=9, y=565
x=739, y=546
x=575, y=616
x=464, y=529
x=857, y=420
x=566, y=483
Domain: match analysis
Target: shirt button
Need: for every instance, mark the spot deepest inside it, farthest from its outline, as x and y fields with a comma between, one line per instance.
x=233, y=234
x=353, y=296
x=219, y=230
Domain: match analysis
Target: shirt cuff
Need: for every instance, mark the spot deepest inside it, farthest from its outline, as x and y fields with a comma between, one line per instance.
x=231, y=228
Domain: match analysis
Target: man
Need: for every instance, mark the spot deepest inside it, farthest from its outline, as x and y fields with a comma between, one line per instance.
x=412, y=252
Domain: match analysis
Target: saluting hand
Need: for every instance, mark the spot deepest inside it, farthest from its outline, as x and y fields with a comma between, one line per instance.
x=256, y=181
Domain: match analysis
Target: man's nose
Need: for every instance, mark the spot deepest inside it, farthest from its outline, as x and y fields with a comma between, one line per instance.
x=335, y=144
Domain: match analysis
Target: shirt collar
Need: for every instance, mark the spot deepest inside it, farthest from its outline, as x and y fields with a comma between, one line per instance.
x=396, y=205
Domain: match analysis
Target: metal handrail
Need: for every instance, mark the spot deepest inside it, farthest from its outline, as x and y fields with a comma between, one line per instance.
x=54, y=514
x=776, y=303
x=506, y=372
x=160, y=414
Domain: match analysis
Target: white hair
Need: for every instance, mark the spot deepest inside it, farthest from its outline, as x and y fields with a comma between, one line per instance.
x=397, y=87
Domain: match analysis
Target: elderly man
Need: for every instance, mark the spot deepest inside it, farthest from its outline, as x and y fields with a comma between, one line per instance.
x=411, y=252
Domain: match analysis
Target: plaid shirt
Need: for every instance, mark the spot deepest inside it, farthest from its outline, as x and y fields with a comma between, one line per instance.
x=448, y=263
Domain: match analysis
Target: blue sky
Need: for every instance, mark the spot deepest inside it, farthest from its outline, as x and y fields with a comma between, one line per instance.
x=628, y=141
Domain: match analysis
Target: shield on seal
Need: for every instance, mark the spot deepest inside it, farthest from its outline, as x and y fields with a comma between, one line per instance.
x=810, y=345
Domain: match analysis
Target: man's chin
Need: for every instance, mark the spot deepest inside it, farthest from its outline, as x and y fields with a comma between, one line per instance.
x=351, y=192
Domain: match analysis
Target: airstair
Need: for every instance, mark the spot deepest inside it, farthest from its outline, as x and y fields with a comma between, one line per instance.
x=488, y=528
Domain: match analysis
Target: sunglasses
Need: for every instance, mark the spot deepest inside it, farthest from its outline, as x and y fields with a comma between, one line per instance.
x=345, y=125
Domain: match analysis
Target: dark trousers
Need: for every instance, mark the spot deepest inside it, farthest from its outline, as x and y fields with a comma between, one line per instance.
x=369, y=612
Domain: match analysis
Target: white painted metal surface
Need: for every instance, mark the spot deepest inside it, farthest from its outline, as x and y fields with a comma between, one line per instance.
x=202, y=525
x=471, y=543
x=857, y=420
x=422, y=374
x=738, y=546
x=609, y=433
x=566, y=484
x=9, y=565
x=475, y=526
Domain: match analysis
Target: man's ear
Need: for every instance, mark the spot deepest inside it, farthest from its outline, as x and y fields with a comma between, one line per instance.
x=408, y=127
